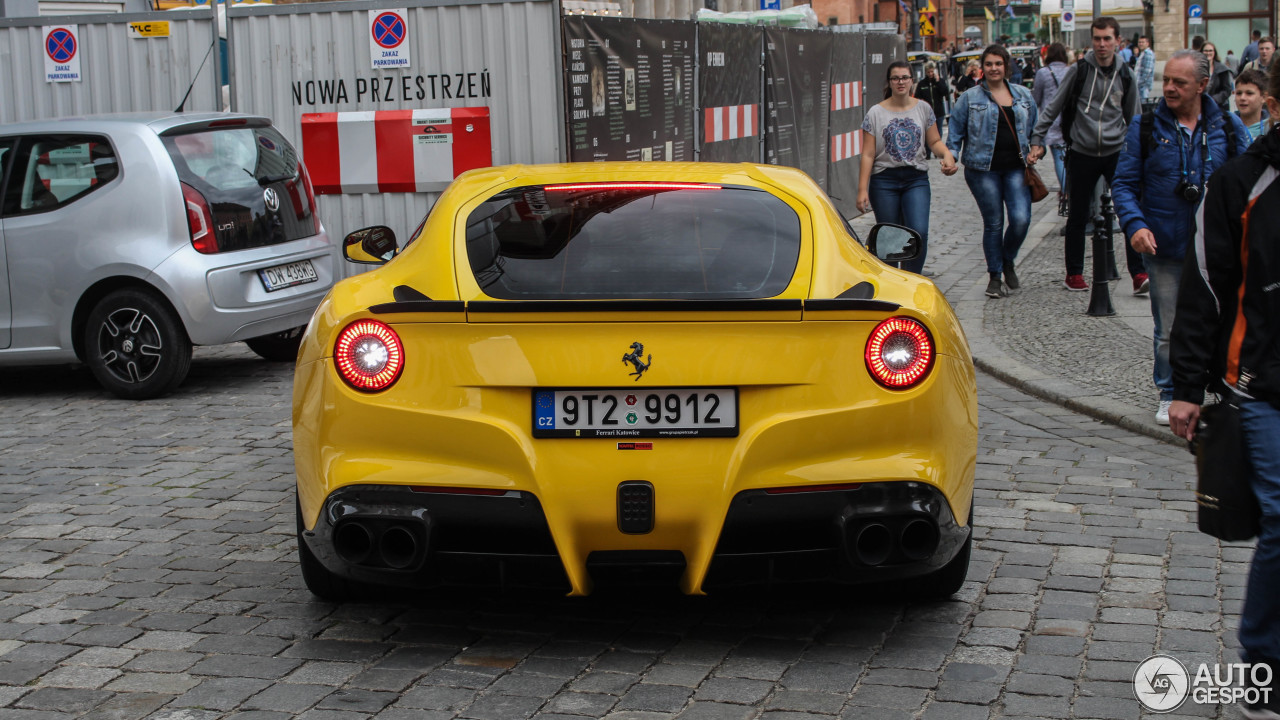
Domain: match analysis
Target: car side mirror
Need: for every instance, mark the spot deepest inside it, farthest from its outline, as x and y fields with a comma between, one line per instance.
x=894, y=243
x=370, y=246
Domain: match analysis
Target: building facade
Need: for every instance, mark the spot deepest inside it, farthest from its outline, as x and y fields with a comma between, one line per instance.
x=947, y=19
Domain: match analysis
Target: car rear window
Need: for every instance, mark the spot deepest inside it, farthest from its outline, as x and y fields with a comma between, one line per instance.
x=234, y=169
x=633, y=240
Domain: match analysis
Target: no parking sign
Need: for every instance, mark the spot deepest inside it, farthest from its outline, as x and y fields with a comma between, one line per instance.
x=61, y=53
x=388, y=39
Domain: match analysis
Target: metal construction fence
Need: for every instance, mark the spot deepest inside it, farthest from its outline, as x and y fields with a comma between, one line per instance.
x=644, y=90
x=119, y=67
x=384, y=87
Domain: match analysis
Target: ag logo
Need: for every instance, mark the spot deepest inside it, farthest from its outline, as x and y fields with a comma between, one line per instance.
x=272, y=199
x=1161, y=683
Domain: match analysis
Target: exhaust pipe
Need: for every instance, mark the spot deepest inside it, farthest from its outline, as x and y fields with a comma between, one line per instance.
x=874, y=544
x=919, y=539
x=398, y=547
x=353, y=541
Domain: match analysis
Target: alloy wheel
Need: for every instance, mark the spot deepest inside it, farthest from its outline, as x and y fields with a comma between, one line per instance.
x=130, y=345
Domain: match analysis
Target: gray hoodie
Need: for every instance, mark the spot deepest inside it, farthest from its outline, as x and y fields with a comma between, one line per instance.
x=1102, y=112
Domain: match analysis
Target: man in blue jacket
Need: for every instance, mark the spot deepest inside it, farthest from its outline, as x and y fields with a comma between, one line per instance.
x=1159, y=182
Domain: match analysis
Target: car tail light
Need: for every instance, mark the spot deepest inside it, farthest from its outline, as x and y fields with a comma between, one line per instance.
x=199, y=220
x=369, y=355
x=899, y=353
x=311, y=195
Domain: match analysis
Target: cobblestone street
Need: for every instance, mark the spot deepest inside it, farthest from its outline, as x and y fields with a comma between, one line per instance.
x=148, y=571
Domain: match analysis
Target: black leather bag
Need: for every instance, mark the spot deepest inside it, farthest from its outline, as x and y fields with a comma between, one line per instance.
x=1226, y=507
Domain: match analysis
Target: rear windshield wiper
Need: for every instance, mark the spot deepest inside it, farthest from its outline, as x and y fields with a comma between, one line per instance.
x=269, y=179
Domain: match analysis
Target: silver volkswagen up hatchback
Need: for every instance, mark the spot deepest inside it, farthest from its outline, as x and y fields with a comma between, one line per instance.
x=126, y=239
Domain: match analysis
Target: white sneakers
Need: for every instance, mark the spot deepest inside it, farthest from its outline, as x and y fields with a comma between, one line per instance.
x=1162, y=414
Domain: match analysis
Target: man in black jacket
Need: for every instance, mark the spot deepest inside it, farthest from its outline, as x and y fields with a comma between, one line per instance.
x=933, y=90
x=1226, y=336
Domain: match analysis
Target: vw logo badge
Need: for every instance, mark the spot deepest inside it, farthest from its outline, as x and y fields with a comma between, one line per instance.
x=272, y=199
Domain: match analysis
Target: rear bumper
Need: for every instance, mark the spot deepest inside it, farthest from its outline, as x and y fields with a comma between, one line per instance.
x=869, y=533
x=221, y=297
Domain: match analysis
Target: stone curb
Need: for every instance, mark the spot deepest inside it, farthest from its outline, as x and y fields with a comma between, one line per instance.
x=990, y=359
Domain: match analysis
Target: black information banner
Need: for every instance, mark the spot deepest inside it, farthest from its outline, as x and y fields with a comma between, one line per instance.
x=847, y=110
x=730, y=76
x=797, y=96
x=629, y=88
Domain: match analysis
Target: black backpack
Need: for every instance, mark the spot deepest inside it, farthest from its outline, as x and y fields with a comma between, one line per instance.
x=1147, y=140
x=1077, y=89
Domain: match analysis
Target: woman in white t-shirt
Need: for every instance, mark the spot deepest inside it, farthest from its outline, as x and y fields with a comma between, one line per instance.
x=894, y=181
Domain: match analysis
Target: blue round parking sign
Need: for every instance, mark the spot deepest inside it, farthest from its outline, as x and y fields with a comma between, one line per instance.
x=61, y=45
x=388, y=30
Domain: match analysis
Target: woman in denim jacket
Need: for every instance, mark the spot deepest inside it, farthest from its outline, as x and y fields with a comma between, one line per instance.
x=992, y=122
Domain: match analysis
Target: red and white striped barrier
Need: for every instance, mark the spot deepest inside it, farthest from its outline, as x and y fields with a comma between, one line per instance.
x=846, y=145
x=730, y=123
x=394, y=150
x=846, y=95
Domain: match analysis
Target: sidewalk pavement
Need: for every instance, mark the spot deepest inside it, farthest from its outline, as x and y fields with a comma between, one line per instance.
x=1040, y=339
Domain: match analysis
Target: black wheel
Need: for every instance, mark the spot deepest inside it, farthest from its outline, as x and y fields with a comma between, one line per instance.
x=322, y=583
x=135, y=345
x=946, y=581
x=278, y=347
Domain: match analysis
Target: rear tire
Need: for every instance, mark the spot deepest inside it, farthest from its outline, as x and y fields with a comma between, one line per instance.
x=947, y=580
x=322, y=583
x=278, y=347
x=135, y=345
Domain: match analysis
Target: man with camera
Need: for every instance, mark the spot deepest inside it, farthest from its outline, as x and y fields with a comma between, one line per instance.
x=1169, y=154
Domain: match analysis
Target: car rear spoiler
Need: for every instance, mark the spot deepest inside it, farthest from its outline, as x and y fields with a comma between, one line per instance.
x=234, y=121
x=632, y=306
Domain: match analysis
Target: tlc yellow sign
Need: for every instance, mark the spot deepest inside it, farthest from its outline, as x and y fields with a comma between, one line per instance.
x=149, y=29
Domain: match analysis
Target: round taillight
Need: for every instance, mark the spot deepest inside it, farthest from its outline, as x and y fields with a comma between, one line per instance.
x=899, y=353
x=369, y=355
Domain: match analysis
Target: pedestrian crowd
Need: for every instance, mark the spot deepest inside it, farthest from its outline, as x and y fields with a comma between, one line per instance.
x=1196, y=187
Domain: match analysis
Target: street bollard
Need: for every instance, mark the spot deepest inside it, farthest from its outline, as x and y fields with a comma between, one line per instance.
x=1108, y=212
x=1100, y=297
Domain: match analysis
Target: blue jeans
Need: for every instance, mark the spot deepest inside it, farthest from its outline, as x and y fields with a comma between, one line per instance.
x=995, y=191
x=1059, y=165
x=901, y=196
x=1260, y=619
x=1164, y=274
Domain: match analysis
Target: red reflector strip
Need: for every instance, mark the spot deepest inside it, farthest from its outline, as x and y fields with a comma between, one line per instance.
x=228, y=123
x=632, y=186
x=812, y=488
x=458, y=490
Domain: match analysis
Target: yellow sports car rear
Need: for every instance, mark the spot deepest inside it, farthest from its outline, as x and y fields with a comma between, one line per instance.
x=584, y=374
